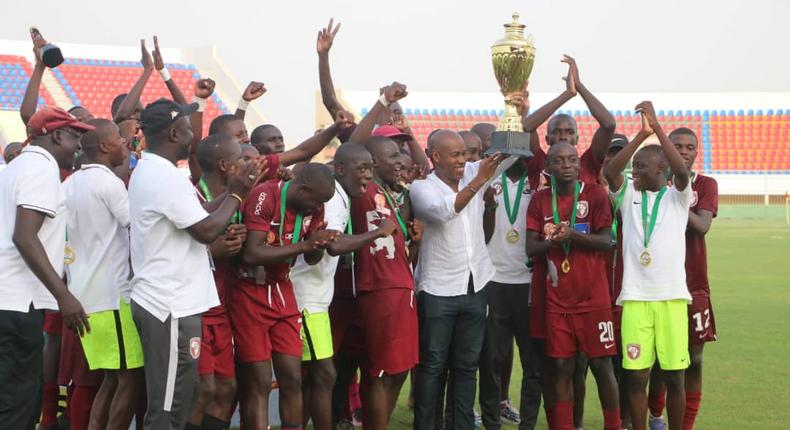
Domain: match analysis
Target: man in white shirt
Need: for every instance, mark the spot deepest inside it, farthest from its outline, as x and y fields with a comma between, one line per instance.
x=453, y=268
x=508, y=303
x=314, y=284
x=32, y=250
x=654, y=294
x=98, y=233
x=173, y=284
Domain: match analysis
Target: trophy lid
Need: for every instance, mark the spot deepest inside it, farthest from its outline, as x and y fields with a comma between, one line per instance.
x=515, y=25
x=514, y=35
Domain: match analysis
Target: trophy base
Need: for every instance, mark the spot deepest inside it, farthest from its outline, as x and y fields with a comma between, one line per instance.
x=510, y=143
x=51, y=56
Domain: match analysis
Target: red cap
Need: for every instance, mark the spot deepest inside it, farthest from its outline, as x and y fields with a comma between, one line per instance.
x=390, y=131
x=48, y=119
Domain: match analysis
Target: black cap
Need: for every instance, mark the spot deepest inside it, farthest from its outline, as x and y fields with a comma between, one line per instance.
x=618, y=141
x=160, y=114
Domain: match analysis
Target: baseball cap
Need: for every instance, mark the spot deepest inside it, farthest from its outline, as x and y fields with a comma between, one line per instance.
x=48, y=119
x=160, y=114
x=618, y=141
x=390, y=131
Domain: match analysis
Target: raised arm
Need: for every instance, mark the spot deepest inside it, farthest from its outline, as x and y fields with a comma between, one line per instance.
x=126, y=109
x=606, y=122
x=30, y=101
x=253, y=91
x=204, y=88
x=159, y=65
x=389, y=94
x=614, y=170
x=313, y=145
x=323, y=44
x=538, y=117
x=679, y=170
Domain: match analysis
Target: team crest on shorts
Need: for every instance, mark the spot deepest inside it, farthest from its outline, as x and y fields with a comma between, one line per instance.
x=194, y=347
x=582, y=208
x=497, y=188
x=693, y=199
x=634, y=351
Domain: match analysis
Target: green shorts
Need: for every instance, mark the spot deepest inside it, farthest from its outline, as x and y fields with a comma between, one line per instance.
x=651, y=329
x=316, y=336
x=113, y=342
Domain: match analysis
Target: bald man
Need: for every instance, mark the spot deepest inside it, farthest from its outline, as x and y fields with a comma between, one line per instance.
x=98, y=232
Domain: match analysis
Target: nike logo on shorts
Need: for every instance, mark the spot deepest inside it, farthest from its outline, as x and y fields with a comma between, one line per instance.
x=609, y=346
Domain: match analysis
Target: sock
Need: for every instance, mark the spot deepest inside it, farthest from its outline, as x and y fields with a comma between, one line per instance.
x=563, y=416
x=189, y=426
x=549, y=411
x=611, y=419
x=656, y=403
x=693, y=399
x=49, y=404
x=80, y=406
x=211, y=422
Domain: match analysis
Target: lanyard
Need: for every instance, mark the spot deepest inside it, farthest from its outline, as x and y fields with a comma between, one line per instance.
x=394, y=209
x=615, y=207
x=648, y=226
x=512, y=215
x=297, y=223
x=566, y=246
x=235, y=219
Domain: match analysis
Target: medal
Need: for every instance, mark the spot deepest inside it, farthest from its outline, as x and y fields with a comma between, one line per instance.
x=566, y=265
x=566, y=246
x=68, y=255
x=645, y=258
x=512, y=235
x=648, y=225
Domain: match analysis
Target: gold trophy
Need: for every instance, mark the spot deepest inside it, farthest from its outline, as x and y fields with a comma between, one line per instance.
x=513, y=57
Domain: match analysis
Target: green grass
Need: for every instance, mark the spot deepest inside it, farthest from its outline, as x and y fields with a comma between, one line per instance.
x=746, y=373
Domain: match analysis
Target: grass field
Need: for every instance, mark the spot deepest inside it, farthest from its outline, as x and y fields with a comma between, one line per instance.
x=747, y=371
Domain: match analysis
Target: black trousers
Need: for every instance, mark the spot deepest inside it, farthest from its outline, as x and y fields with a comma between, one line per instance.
x=21, y=368
x=451, y=333
x=508, y=317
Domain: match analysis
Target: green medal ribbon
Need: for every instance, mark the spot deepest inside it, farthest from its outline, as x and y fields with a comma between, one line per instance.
x=566, y=246
x=648, y=226
x=297, y=223
x=394, y=209
x=512, y=215
x=235, y=219
x=615, y=207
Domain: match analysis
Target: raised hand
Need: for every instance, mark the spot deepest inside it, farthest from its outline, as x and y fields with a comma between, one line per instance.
x=489, y=165
x=284, y=174
x=253, y=91
x=204, y=88
x=646, y=129
x=395, y=92
x=571, y=78
x=159, y=64
x=38, y=42
x=344, y=119
x=74, y=316
x=574, y=68
x=521, y=100
x=326, y=37
x=649, y=114
x=146, y=60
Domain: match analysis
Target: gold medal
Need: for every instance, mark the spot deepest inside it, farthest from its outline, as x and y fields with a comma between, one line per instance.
x=512, y=236
x=645, y=259
x=68, y=255
x=566, y=266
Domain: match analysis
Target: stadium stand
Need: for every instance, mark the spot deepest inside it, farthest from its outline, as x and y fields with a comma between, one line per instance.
x=14, y=76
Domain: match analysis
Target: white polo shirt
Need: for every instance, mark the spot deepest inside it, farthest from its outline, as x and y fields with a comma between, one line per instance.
x=665, y=277
x=98, y=233
x=510, y=259
x=31, y=181
x=314, y=285
x=453, y=244
x=172, y=274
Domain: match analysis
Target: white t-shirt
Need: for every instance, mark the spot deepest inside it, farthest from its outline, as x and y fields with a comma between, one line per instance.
x=314, y=285
x=172, y=273
x=31, y=181
x=98, y=233
x=510, y=258
x=665, y=277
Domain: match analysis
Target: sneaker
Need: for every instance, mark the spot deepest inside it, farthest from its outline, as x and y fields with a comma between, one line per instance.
x=508, y=413
x=657, y=423
x=478, y=419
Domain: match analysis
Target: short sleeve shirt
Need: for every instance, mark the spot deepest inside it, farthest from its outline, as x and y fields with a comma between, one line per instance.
x=705, y=196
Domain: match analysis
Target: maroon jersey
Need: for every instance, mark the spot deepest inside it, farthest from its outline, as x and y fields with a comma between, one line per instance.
x=585, y=288
x=384, y=263
x=705, y=196
x=344, y=278
x=222, y=272
x=262, y=213
x=589, y=170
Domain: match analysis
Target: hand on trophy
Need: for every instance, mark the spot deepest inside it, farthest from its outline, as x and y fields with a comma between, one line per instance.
x=521, y=101
x=394, y=92
x=570, y=80
x=38, y=42
x=326, y=37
